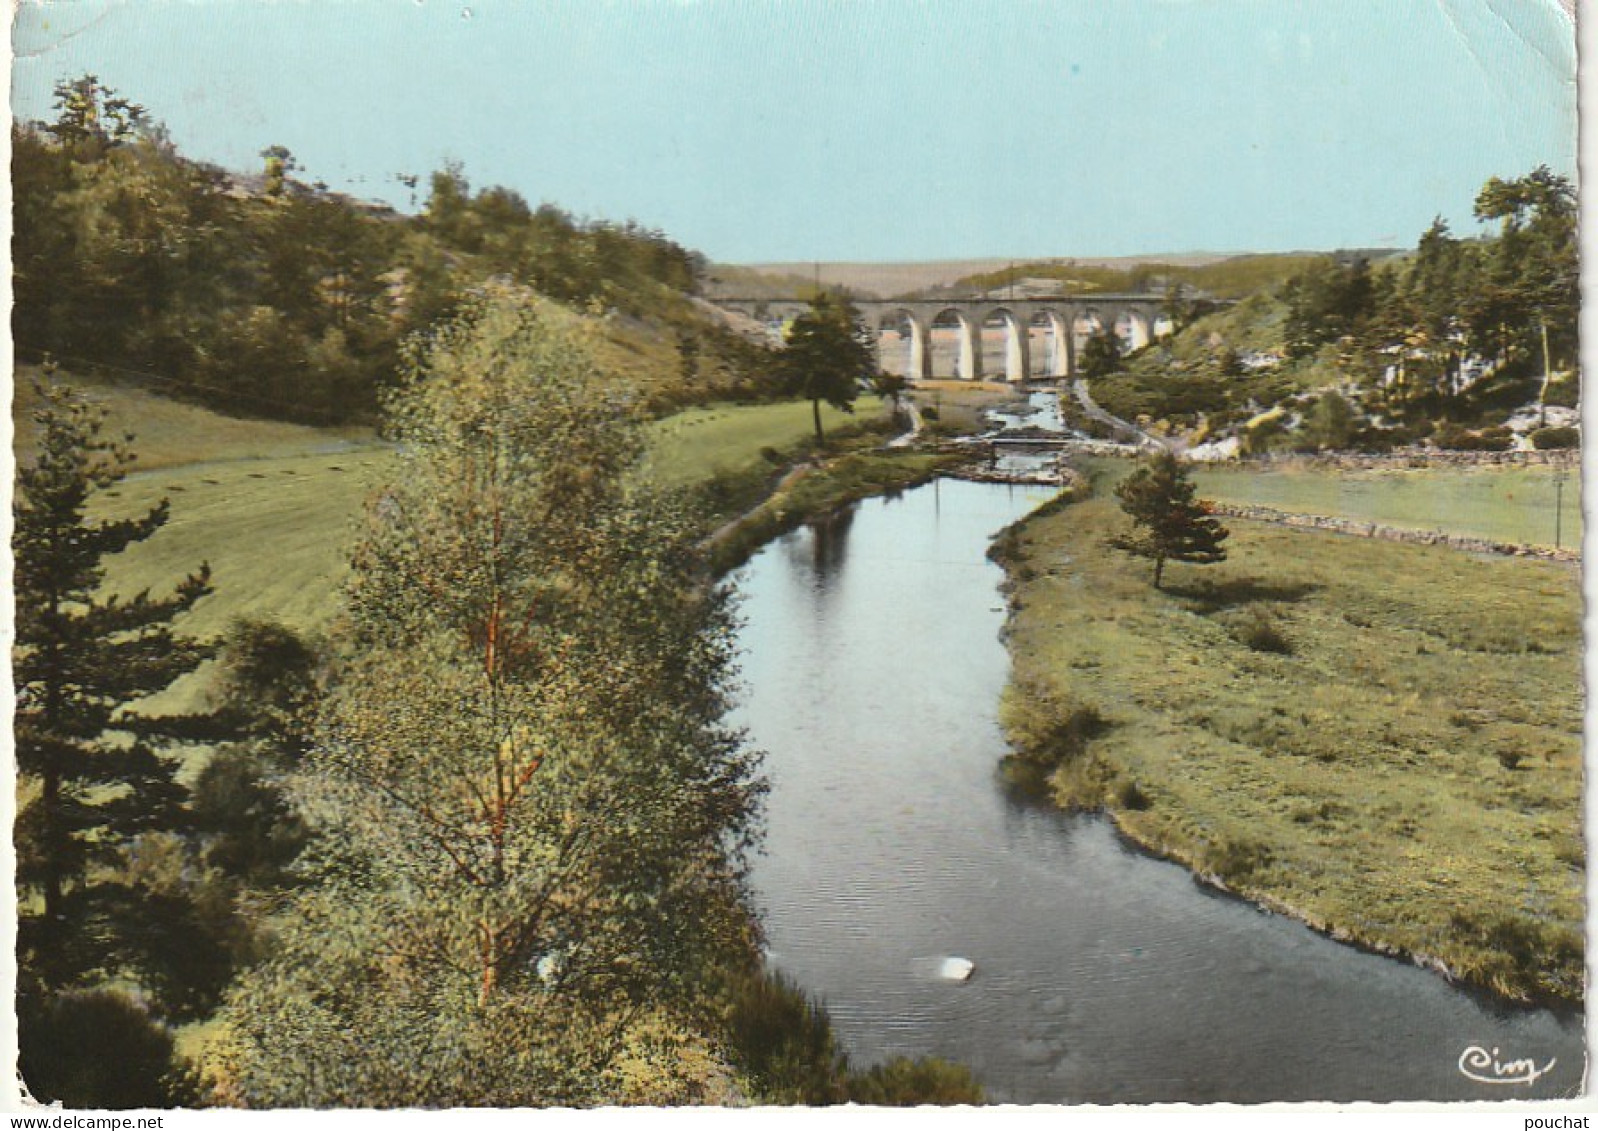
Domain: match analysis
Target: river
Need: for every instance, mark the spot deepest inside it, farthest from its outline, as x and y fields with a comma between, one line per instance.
x=873, y=667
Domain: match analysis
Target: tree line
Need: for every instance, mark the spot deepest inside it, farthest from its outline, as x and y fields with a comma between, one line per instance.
x=1432, y=344
x=270, y=295
x=1507, y=304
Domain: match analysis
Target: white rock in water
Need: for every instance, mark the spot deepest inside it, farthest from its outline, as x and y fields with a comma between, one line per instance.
x=956, y=969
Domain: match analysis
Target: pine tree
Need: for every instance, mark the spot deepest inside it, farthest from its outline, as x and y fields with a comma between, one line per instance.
x=91, y=765
x=1101, y=354
x=1168, y=523
x=828, y=353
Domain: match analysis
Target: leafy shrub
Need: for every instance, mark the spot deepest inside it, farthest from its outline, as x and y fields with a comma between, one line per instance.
x=1267, y=435
x=1457, y=438
x=1564, y=390
x=1049, y=728
x=1007, y=546
x=730, y=492
x=1562, y=437
x=1522, y=956
x=1236, y=859
x=250, y=830
x=906, y=1083
x=1047, y=731
x=784, y=1041
x=98, y=1049
x=1329, y=424
x=1372, y=438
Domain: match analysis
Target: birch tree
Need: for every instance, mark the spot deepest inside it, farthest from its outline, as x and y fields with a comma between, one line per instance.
x=531, y=821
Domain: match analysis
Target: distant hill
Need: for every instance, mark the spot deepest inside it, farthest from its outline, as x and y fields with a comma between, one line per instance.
x=896, y=280
x=1225, y=276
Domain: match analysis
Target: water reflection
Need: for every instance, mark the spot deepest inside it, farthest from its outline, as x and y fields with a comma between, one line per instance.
x=829, y=542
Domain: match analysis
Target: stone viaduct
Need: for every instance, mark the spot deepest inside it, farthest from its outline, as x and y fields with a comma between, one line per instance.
x=1063, y=322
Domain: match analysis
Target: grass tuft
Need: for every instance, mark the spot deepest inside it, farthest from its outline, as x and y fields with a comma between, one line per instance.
x=1261, y=633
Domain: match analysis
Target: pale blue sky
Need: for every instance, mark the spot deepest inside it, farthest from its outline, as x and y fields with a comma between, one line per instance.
x=763, y=130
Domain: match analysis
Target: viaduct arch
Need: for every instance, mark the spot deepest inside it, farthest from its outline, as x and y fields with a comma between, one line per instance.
x=1064, y=323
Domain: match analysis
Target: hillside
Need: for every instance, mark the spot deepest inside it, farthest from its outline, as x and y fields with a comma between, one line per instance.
x=1223, y=277
x=266, y=294
x=896, y=280
x=1462, y=344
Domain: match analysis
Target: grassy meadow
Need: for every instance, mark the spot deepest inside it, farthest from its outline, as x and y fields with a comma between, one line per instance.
x=694, y=445
x=273, y=507
x=1382, y=739
x=1501, y=504
x=171, y=433
x=275, y=531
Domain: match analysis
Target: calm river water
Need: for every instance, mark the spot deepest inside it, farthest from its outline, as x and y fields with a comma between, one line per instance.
x=873, y=667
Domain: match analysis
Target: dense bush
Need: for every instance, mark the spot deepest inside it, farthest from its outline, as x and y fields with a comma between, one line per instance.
x=1268, y=434
x=1521, y=956
x=1456, y=438
x=98, y=1049
x=1127, y=795
x=1561, y=437
x=783, y=1040
x=1329, y=424
x=1048, y=730
x=907, y=1083
x=1235, y=860
x=1372, y=438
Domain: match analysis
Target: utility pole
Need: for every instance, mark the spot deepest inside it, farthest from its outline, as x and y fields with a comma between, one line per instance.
x=1559, y=506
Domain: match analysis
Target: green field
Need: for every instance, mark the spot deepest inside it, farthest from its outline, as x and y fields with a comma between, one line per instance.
x=1501, y=504
x=171, y=433
x=690, y=447
x=275, y=531
x=1384, y=739
x=273, y=507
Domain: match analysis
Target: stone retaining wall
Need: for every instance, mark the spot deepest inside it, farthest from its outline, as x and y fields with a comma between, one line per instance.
x=1418, y=458
x=1393, y=533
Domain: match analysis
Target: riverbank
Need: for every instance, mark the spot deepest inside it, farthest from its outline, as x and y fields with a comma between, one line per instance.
x=817, y=489
x=1380, y=739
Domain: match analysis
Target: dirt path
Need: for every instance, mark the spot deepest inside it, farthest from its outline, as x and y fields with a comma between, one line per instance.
x=1079, y=388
